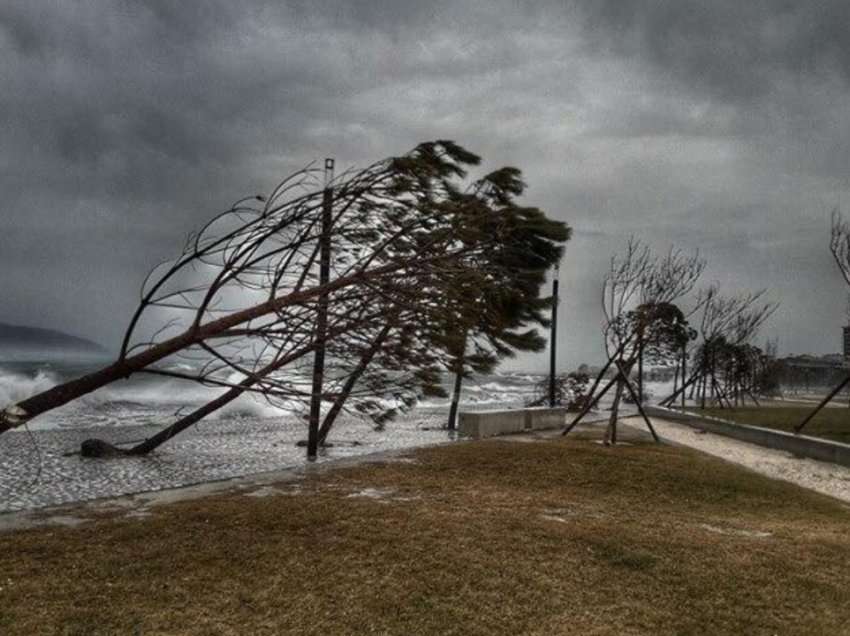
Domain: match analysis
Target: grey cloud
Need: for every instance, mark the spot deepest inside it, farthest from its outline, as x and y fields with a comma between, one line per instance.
x=714, y=125
x=735, y=50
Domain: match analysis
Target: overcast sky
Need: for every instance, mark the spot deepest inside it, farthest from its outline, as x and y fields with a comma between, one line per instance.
x=718, y=125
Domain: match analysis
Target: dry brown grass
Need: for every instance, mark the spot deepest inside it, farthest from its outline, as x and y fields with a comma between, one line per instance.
x=491, y=537
x=831, y=423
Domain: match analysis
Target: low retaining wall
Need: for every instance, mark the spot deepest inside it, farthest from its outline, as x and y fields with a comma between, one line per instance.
x=800, y=445
x=480, y=424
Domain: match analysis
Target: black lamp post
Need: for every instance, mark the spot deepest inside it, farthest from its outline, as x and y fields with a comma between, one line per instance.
x=553, y=341
x=321, y=314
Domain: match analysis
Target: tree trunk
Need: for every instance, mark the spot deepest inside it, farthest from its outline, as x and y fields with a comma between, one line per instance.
x=18, y=414
x=676, y=377
x=195, y=416
x=611, y=430
x=210, y=407
x=589, y=404
x=628, y=385
x=355, y=375
x=458, y=365
x=455, y=400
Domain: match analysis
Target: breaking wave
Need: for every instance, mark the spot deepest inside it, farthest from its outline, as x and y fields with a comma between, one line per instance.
x=147, y=399
x=15, y=386
x=137, y=400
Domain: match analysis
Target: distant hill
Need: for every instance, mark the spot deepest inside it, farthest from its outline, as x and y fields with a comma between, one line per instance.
x=15, y=339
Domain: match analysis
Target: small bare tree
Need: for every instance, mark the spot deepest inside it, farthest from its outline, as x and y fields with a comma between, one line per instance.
x=726, y=327
x=839, y=246
x=639, y=293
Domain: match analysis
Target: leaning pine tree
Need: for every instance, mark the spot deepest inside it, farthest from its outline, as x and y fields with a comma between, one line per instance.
x=490, y=322
x=239, y=304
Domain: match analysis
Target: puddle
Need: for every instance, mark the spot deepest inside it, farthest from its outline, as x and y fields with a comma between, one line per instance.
x=265, y=491
x=735, y=531
x=382, y=495
x=141, y=513
x=65, y=520
x=371, y=493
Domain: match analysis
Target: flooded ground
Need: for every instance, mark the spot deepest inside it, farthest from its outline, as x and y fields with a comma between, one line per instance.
x=43, y=469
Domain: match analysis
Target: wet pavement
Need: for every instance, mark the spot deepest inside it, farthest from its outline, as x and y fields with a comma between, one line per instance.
x=43, y=468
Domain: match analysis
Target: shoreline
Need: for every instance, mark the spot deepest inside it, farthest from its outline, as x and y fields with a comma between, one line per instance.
x=44, y=475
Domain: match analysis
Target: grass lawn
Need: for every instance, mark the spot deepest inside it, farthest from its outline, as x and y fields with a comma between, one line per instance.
x=831, y=423
x=490, y=537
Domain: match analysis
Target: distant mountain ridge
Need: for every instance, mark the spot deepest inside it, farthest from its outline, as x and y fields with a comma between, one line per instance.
x=20, y=338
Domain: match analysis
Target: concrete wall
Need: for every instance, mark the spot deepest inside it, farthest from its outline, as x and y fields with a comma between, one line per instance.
x=480, y=424
x=800, y=445
x=543, y=419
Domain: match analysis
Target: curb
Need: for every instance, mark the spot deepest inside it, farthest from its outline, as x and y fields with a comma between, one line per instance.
x=799, y=445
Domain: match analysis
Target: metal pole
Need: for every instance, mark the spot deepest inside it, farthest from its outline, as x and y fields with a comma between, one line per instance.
x=321, y=315
x=553, y=341
x=640, y=369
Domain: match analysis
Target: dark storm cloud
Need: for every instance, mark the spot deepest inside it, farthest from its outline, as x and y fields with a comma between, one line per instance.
x=126, y=124
x=720, y=126
x=770, y=72
x=736, y=51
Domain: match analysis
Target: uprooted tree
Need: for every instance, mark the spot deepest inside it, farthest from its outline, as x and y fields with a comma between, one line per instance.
x=240, y=308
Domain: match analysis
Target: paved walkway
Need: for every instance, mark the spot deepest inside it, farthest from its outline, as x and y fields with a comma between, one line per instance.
x=42, y=470
x=60, y=481
x=829, y=479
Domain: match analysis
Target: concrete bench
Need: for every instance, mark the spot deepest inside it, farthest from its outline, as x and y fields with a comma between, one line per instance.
x=478, y=424
x=545, y=418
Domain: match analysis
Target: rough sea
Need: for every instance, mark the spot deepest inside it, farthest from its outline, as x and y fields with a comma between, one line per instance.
x=40, y=465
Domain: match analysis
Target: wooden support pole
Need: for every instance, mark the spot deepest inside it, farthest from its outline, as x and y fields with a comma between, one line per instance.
x=682, y=390
x=631, y=391
x=587, y=408
x=610, y=361
x=823, y=403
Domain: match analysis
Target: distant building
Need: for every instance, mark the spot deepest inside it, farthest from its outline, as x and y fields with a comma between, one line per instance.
x=846, y=341
x=813, y=372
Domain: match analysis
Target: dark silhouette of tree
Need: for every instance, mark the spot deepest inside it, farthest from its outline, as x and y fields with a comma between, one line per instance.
x=839, y=246
x=570, y=391
x=490, y=323
x=639, y=294
x=722, y=356
x=237, y=309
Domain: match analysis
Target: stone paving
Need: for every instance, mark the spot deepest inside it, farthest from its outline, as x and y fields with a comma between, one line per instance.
x=824, y=477
x=43, y=469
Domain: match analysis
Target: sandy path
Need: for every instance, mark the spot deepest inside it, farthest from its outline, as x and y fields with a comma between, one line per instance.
x=829, y=479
